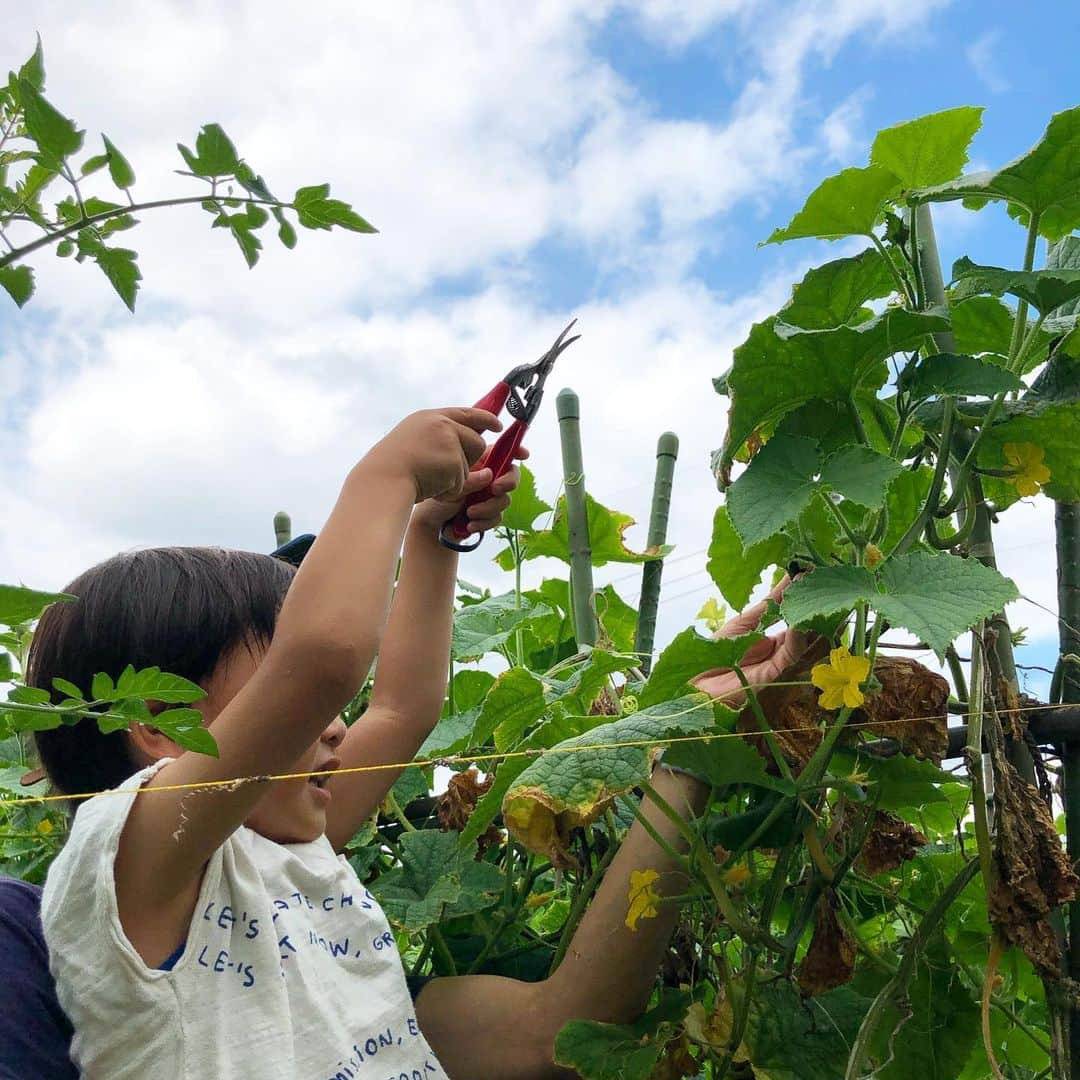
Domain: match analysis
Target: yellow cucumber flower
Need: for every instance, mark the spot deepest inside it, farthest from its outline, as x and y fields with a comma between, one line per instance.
x=644, y=899
x=839, y=677
x=1027, y=461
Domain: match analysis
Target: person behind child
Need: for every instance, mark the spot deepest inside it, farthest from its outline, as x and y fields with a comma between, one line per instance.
x=207, y=928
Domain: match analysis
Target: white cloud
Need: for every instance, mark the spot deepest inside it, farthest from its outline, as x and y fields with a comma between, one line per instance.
x=980, y=55
x=469, y=136
x=842, y=129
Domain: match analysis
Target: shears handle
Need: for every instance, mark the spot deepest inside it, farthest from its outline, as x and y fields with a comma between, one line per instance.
x=498, y=458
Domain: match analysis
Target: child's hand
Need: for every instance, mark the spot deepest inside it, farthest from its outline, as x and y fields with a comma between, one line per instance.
x=483, y=516
x=764, y=662
x=435, y=449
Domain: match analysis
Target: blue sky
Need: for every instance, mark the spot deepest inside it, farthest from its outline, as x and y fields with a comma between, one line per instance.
x=612, y=160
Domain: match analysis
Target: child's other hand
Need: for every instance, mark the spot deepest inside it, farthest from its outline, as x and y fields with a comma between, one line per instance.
x=765, y=661
x=435, y=449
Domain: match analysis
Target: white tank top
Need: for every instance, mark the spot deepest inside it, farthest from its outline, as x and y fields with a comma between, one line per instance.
x=289, y=970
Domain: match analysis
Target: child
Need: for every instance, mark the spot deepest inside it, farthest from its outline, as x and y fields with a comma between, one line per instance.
x=215, y=933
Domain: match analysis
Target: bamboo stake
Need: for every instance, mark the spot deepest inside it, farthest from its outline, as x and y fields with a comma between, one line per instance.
x=667, y=451
x=568, y=408
x=282, y=528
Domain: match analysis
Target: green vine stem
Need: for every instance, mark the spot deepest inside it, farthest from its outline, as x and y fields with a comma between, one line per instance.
x=568, y=408
x=973, y=754
x=896, y=988
x=667, y=452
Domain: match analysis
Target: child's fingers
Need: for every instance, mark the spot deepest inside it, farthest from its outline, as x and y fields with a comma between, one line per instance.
x=489, y=512
x=507, y=482
x=477, y=480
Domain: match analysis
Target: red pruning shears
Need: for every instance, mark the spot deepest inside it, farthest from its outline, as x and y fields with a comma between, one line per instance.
x=521, y=391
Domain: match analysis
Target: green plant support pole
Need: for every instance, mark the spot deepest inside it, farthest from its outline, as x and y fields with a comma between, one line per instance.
x=667, y=452
x=981, y=543
x=568, y=408
x=1067, y=530
x=282, y=528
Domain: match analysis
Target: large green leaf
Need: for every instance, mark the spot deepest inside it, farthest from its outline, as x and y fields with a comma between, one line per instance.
x=437, y=879
x=1044, y=181
x=795, y=1039
x=578, y=691
x=956, y=373
x=19, y=604
x=942, y=1027
x=861, y=475
x=606, y=529
x=1065, y=255
x=984, y=324
x=829, y=590
x=598, y=1051
x=1044, y=290
x=929, y=150
x=482, y=628
x=900, y=783
x=937, y=597
x=576, y=784
x=725, y=761
x=454, y=732
x=152, y=684
x=618, y=620
x=688, y=655
x=17, y=282
x=775, y=372
x=836, y=293
x=848, y=204
x=512, y=705
x=775, y=489
x=1056, y=429
x=905, y=500
x=737, y=570
x=525, y=505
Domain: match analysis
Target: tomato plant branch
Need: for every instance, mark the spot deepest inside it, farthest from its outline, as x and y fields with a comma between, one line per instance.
x=973, y=754
x=93, y=219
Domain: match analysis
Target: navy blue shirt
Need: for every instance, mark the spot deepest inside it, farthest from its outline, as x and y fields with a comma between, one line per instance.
x=35, y=1035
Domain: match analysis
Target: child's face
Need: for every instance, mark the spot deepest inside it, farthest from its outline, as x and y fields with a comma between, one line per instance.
x=291, y=811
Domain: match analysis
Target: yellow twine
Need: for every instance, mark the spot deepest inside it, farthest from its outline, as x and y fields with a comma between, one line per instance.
x=470, y=759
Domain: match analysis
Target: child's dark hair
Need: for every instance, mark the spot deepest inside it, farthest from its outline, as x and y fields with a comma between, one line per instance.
x=179, y=608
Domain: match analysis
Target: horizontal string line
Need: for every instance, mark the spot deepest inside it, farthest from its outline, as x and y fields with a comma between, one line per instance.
x=471, y=759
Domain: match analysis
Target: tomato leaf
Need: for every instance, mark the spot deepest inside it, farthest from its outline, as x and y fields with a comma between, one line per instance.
x=214, y=154
x=18, y=282
x=19, y=604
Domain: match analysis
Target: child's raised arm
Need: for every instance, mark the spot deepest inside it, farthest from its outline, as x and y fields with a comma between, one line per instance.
x=410, y=682
x=326, y=637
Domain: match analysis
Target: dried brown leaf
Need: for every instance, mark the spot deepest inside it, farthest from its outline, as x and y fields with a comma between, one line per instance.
x=830, y=960
x=1032, y=873
x=890, y=842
